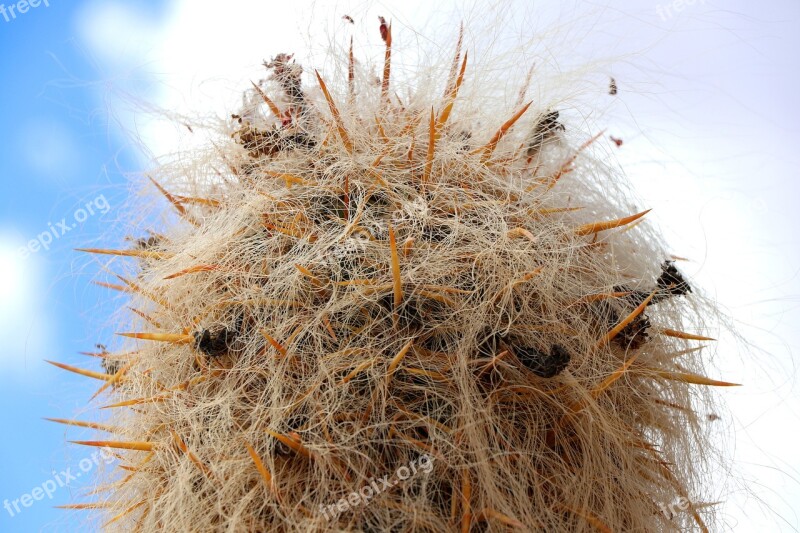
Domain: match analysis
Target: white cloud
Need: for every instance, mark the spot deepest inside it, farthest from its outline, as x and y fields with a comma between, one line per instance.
x=25, y=324
x=116, y=33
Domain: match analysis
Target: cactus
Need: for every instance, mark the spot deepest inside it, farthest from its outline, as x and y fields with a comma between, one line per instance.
x=359, y=285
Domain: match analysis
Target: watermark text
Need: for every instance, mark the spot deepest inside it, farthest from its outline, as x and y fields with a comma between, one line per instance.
x=671, y=509
x=59, y=480
x=10, y=12
x=669, y=10
x=374, y=487
x=59, y=229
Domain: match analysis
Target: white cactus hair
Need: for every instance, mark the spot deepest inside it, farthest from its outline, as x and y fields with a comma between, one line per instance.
x=364, y=272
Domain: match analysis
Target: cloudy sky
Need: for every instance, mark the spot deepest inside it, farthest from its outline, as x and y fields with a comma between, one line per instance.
x=707, y=109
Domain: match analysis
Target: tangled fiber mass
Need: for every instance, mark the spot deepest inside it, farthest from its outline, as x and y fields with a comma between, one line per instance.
x=356, y=282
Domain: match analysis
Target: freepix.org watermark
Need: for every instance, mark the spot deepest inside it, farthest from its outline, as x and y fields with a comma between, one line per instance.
x=675, y=7
x=59, y=480
x=671, y=510
x=10, y=12
x=423, y=463
x=59, y=229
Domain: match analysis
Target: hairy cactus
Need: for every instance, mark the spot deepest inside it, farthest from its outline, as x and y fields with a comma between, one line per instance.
x=377, y=313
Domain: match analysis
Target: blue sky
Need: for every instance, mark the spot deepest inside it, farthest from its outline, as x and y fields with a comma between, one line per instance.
x=708, y=109
x=58, y=152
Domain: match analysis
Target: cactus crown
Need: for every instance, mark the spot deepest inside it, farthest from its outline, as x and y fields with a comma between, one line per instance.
x=360, y=283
